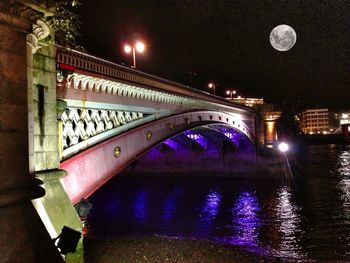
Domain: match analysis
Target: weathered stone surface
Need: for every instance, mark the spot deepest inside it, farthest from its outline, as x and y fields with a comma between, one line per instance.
x=13, y=67
x=48, y=51
x=43, y=78
x=60, y=210
x=44, y=63
x=48, y=144
x=13, y=164
x=40, y=161
x=12, y=41
x=12, y=92
x=52, y=160
x=23, y=237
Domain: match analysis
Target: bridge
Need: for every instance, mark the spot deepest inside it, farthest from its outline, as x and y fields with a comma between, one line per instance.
x=70, y=121
x=118, y=113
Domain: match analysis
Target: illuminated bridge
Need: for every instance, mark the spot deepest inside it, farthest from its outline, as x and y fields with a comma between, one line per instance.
x=109, y=115
x=70, y=121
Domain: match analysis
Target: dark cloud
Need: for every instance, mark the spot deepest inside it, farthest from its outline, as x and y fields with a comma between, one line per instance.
x=228, y=41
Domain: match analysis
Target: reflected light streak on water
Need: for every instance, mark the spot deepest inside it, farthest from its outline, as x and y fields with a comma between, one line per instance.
x=343, y=169
x=289, y=219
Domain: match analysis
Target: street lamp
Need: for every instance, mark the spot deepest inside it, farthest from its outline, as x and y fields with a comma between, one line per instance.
x=138, y=47
x=212, y=85
x=231, y=93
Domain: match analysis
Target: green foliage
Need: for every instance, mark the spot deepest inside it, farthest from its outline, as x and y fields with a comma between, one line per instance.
x=65, y=23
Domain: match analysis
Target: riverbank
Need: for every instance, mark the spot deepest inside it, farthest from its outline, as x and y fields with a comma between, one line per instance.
x=316, y=139
x=161, y=249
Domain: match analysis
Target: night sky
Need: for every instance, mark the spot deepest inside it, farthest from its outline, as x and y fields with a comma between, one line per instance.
x=197, y=41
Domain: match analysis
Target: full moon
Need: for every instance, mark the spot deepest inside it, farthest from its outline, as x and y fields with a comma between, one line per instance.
x=283, y=37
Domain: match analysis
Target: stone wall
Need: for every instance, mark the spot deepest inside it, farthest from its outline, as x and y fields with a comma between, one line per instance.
x=44, y=109
x=23, y=236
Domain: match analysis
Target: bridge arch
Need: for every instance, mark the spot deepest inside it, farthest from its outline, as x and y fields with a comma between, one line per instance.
x=90, y=169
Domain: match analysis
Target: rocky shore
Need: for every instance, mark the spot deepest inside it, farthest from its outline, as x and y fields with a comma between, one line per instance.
x=159, y=249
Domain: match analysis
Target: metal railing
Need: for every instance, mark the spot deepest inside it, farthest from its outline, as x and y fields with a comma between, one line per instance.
x=87, y=63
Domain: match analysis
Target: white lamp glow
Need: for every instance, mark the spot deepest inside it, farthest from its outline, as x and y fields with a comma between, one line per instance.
x=127, y=49
x=283, y=147
x=140, y=47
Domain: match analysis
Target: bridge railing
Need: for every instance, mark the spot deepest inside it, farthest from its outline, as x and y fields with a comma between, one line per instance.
x=80, y=61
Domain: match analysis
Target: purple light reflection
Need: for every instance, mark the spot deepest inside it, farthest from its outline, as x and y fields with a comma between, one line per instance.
x=139, y=205
x=171, y=143
x=212, y=205
x=170, y=203
x=246, y=224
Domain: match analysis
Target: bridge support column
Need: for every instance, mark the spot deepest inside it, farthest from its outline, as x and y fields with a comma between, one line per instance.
x=23, y=236
x=55, y=208
x=270, y=127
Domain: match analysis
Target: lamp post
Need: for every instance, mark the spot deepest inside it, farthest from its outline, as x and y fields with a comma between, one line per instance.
x=212, y=85
x=231, y=93
x=138, y=47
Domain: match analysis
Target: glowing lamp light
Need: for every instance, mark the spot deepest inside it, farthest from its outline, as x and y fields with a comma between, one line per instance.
x=127, y=48
x=140, y=47
x=283, y=147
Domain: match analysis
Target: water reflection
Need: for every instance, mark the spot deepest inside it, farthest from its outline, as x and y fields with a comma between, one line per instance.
x=139, y=206
x=246, y=221
x=343, y=169
x=307, y=223
x=287, y=214
x=211, y=207
x=344, y=163
x=170, y=203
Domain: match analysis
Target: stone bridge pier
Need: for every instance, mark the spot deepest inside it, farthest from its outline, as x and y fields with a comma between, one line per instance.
x=32, y=211
x=23, y=236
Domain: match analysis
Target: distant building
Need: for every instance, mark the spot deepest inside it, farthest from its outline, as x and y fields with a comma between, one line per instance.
x=314, y=121
x=334, y=121
x=250, y=102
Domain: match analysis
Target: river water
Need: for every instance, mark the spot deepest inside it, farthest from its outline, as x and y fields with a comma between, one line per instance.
x=304, y=219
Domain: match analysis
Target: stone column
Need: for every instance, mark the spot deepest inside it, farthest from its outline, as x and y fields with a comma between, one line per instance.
x=23, y=237
x=270, y=126
x=55, y=208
